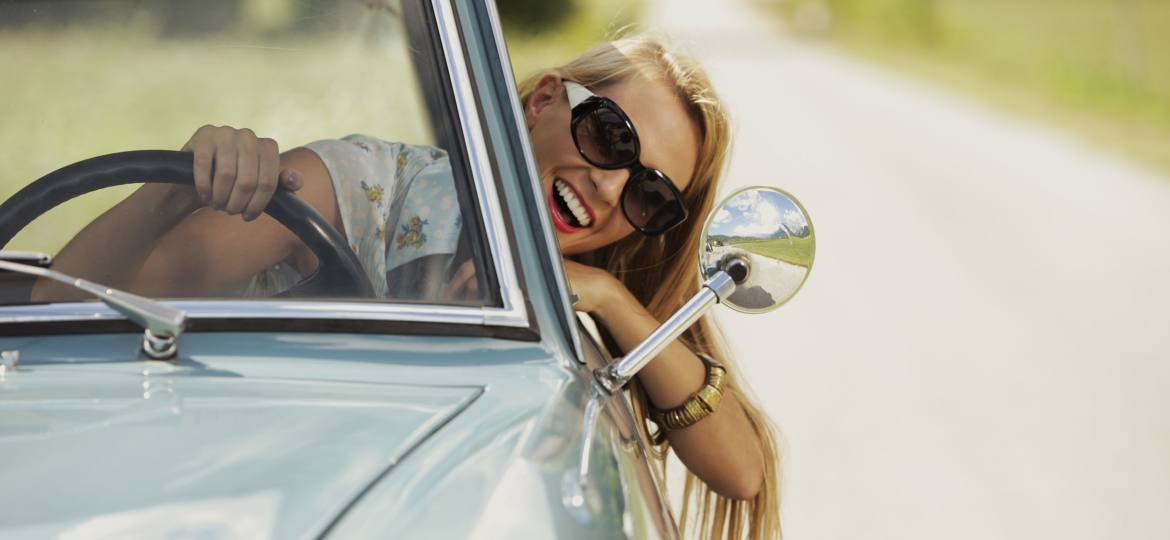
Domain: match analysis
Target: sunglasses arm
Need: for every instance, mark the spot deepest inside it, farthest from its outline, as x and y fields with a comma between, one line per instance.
x=577, y=93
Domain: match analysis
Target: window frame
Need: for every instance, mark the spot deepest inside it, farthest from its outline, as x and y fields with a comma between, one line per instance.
x=506, y=314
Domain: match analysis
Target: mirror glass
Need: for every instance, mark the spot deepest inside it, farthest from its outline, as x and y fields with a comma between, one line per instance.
x=763, y=238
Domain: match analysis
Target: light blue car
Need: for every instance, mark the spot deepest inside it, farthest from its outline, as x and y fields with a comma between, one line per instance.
x=349, y=405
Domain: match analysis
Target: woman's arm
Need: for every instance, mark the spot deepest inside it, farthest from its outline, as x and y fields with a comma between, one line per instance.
x=111, y=249
x=161, y=241
x=212, y=250
x=722, y=449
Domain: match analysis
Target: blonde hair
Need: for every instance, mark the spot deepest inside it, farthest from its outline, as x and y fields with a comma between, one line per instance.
x=662, y=271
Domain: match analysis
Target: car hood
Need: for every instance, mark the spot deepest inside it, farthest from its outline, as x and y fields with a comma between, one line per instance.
x=211, y=456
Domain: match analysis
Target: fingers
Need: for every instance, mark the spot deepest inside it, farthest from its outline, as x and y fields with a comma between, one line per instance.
x=247, y=172
x=291, y=179
x=202, y=145
x=463, y=284
x=236, y=171
x=266, y=179
x=226, y=163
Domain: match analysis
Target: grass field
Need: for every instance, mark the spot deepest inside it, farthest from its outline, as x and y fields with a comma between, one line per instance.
x=83, y=94
x=798, y=251
x=1100, y=67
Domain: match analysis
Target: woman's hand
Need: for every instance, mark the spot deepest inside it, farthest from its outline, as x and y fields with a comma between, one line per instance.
x=463, y=285
x=236, y=171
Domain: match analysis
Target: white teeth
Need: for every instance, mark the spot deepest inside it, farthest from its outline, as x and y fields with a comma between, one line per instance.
x=574, y=205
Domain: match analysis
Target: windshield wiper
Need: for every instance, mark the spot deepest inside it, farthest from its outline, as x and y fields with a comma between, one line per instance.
x=163, y=324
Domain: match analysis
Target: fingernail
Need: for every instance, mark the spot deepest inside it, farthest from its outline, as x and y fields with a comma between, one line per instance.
x=248, y=217
x=290, y=178
x=205, y=198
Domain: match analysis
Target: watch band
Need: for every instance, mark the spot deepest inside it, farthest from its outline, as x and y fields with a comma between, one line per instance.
x=701, y=403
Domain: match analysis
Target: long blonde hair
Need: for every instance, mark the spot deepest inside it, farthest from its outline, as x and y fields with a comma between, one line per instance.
x=662, y=271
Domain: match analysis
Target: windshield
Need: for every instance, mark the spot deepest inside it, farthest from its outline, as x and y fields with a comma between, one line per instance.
x=351, y=91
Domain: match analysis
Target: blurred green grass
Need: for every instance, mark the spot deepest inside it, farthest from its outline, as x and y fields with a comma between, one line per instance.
x=86, y=93
x=590, y=22
x=792, y=250
x=1100, y=67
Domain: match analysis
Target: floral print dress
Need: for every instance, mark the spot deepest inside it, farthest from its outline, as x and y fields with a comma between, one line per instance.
x=398, y=203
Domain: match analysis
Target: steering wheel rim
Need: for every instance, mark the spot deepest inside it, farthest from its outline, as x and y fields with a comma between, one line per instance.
x=339, y=273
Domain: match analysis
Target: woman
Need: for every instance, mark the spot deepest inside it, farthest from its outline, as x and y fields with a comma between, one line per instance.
x=620, y=202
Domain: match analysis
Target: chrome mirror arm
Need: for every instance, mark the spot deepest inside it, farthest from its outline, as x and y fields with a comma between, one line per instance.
x=614, y=376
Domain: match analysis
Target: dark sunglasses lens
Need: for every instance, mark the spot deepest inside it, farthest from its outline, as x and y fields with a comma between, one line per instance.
x=650, y=204
x=606, y=139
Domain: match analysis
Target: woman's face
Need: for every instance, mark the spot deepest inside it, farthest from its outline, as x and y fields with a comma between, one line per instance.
x=669, y=143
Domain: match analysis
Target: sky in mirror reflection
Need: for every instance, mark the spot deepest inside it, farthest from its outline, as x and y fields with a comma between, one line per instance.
x=759, y=213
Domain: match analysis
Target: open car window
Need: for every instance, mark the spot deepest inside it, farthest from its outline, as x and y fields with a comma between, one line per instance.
x=360, y=83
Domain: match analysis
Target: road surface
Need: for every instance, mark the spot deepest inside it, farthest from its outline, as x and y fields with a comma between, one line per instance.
x=770, y=280
x=982, y=349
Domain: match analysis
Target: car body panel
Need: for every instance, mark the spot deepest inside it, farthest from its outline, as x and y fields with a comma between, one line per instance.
x=499, y=471
x=299, y=435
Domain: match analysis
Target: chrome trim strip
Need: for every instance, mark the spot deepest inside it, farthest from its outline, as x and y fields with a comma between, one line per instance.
x=514, y=312
x=234, y=309
x=545, y=225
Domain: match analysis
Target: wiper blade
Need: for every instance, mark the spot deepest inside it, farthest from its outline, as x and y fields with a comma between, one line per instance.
x=163, y=324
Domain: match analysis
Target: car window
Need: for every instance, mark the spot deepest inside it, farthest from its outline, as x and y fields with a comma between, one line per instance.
x=356, y=82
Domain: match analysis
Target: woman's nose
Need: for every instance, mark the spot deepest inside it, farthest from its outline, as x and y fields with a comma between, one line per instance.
x=610, y=183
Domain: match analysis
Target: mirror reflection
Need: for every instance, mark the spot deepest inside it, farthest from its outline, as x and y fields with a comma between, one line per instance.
x=763, y=238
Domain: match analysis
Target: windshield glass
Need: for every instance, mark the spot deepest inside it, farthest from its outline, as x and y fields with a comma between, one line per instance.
x=351, y=91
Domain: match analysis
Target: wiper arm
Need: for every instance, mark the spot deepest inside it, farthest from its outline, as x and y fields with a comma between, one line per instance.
x=162, y=324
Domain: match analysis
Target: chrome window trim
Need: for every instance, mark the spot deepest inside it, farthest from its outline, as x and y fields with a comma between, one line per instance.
x=481, y=171
x=545, y=225
x=514, y=312
x=257, y=309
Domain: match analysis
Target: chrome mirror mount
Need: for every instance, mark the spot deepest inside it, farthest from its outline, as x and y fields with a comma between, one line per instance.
x=755, y=253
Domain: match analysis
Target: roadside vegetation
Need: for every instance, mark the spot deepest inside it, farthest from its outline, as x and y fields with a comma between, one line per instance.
x=1101, y=67
x=792, y=249
x=557, y=40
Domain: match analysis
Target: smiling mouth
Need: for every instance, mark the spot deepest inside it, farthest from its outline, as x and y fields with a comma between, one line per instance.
x=567, y=206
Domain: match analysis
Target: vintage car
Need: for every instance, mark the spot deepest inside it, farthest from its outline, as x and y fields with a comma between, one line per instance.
x=324, y=411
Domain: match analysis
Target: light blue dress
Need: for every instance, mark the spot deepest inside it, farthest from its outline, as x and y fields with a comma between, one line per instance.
x=398, y=203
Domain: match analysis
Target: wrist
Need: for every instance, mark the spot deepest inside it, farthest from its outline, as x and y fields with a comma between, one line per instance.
x=172, y=200
x=618, y=302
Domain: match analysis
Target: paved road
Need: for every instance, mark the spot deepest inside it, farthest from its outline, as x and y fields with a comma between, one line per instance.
x=983, y=347
x=770, y=280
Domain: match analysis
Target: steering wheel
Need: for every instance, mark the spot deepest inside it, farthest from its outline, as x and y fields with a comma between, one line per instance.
x=339, y=275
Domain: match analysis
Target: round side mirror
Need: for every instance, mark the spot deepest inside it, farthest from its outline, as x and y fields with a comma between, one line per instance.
x=762, y=237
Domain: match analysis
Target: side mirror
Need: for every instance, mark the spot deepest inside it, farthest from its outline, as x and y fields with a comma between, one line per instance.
x=755, y=253
x=762, y=238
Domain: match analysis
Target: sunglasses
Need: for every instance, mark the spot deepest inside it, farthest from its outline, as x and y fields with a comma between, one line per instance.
x=606, y=139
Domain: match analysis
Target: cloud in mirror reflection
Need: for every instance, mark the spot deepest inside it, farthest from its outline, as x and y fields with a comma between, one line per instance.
x=759, y=213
